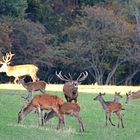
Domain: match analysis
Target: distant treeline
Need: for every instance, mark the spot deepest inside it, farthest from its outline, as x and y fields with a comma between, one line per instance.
x=101, y=37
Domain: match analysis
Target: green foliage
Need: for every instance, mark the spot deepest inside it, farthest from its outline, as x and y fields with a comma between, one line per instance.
x=68, y=36
x=13, y=8
x=5, y=41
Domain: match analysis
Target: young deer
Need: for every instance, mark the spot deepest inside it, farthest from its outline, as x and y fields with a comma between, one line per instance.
x=68, y=108
x=33, y=86
x=132, y=95
x=110, y=107
x=41, y=102
x=117, y=97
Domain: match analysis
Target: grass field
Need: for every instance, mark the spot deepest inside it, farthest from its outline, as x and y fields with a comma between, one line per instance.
x=92, y=115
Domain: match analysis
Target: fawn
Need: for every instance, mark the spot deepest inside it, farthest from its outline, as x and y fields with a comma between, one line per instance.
x=68, y=108
x=110, y=107
x=132, y=95
x=117, y=97
x=33, y=86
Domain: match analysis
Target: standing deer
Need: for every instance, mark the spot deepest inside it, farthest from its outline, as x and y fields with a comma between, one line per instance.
x=110, y=107
x=70, y=87
x=40, y=103
x=132, y=96
x=68, y=108
x=117, y=97
x=33, y=86
x=18, y=70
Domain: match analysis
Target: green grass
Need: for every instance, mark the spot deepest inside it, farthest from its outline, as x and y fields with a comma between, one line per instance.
x=92, y=115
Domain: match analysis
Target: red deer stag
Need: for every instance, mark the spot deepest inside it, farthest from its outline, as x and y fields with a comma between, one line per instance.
x=40, y=103
x=68, y=108
x=18, y=70
x=110, y=107
x=117, y=97
x=70, y=87
x=132, y=96
x=33, y=86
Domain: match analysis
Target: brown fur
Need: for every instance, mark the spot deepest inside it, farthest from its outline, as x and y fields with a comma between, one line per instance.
x=33, y=86
x=132, y=95
x=41, y=102
x=68, y=108
x=110, y=107
x=70, y=91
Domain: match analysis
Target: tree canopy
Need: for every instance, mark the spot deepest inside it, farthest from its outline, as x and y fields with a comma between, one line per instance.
x=98, y=36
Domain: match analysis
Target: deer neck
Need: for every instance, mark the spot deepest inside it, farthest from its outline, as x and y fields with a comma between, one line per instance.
x=24, y=84
x=103, y=103
x=27, y=109
x=116, y=99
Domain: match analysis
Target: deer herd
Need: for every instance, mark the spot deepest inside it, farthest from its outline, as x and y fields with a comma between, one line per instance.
x=56, y=105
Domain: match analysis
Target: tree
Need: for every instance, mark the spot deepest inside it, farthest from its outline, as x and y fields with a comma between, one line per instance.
x=99, y=42
x=13, y=8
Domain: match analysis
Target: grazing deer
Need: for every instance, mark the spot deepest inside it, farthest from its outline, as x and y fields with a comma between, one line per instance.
x=110, y=107
x=70, y=87
x=17, y=70
x=33, y=86
x=41, y=102
x=132, y=95
x=117, y=97
x=68, y=108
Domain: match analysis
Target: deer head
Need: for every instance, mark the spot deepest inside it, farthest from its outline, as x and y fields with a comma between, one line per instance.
x=6, y=61
x=7, y=58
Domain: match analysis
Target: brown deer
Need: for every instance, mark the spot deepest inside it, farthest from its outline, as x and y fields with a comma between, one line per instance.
x=70, y=87
x=33, y=86
x=40, y=103
x=68, y=108
x=132, y=96
x=18, y=70
x=110, y=107
x=117, y=97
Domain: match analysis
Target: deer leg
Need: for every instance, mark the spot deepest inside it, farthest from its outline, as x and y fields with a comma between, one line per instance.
x=80, y=122
x=38, y=109
x=43, y=91
x=122, y=122
x=119, y=118
x=42, y=117
x=106, y=118
x=29, y=96
x=34, y=77
x=67, y=98
x=61, y=119
x=75, y=100
x=110, y=119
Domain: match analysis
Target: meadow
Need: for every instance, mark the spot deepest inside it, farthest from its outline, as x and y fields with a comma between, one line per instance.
x=92, y=115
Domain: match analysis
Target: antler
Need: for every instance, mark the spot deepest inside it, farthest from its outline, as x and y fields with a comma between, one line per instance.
x=64, y=78
x=82, y=76
x=7, y=58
